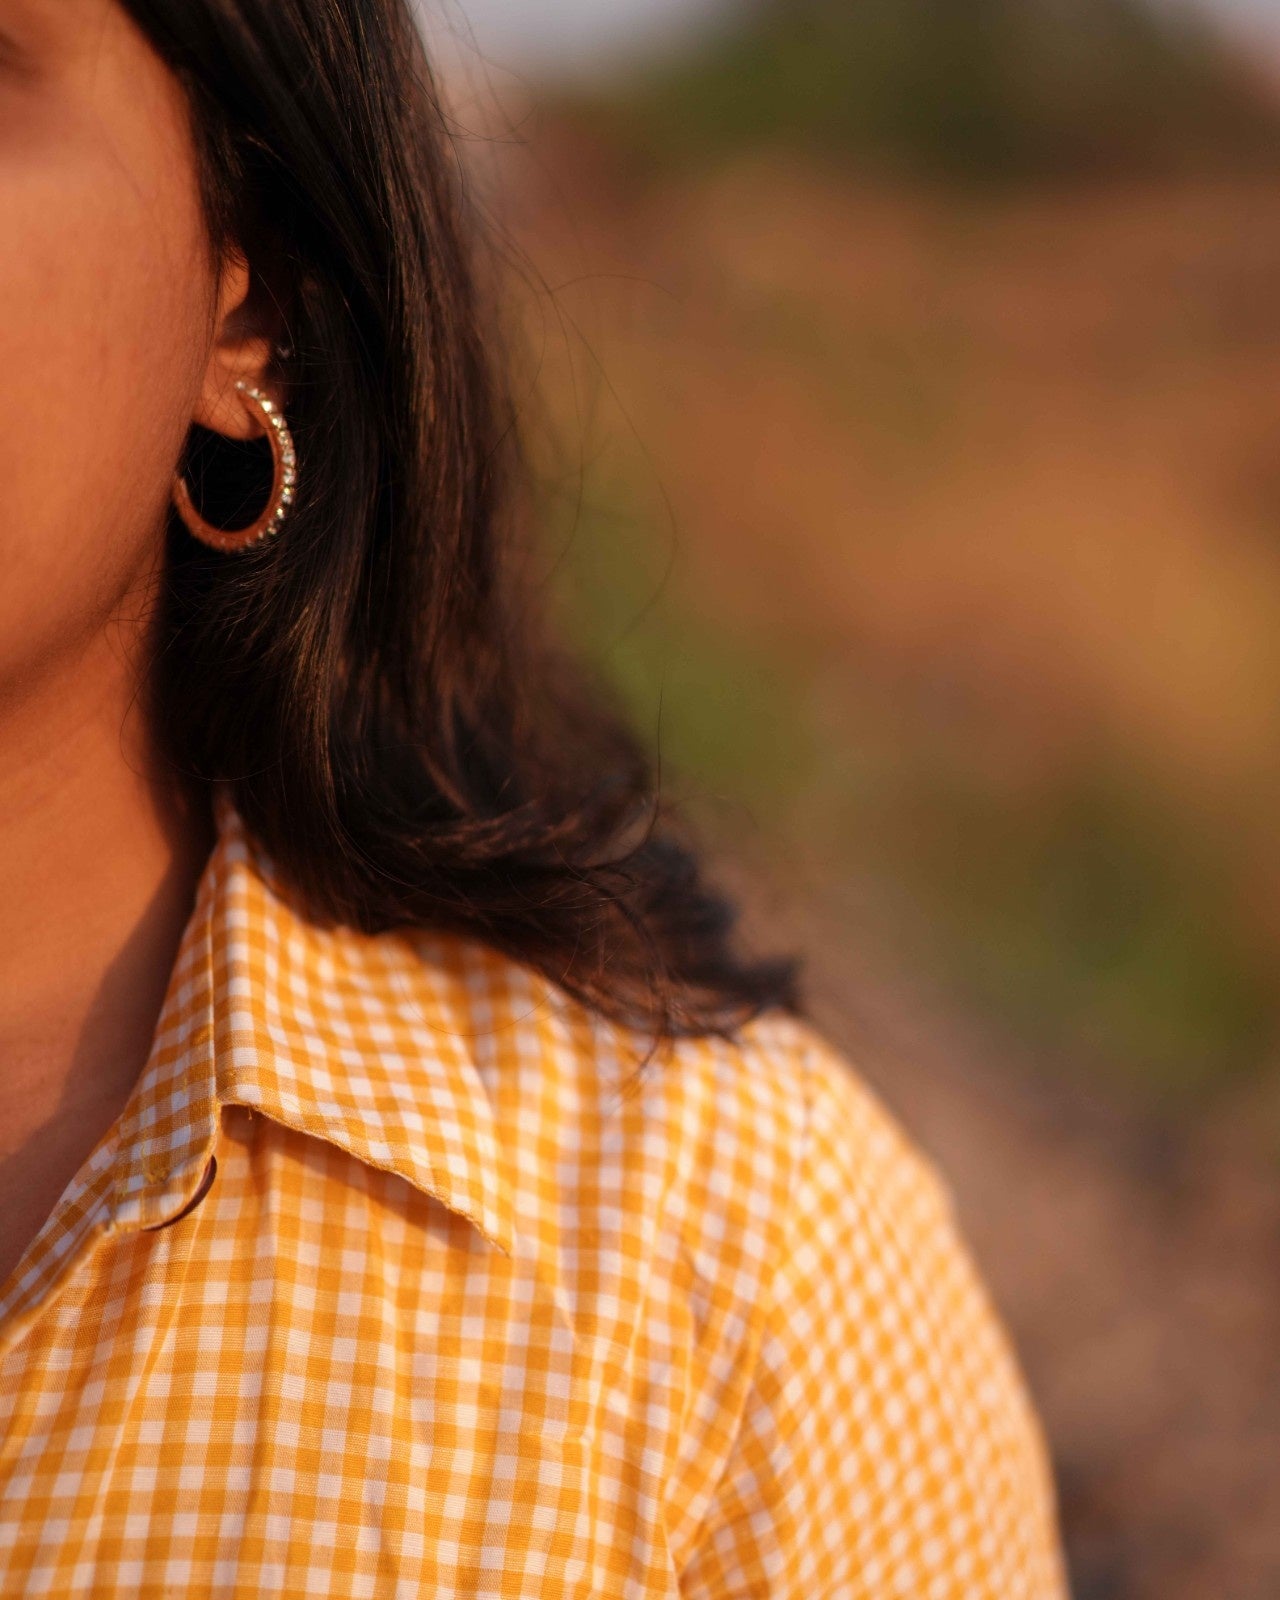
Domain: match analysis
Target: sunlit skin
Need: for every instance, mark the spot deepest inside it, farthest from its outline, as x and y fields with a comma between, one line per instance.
x=117, y=331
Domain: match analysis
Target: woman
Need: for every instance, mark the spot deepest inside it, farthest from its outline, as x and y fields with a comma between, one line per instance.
x=406, y=1188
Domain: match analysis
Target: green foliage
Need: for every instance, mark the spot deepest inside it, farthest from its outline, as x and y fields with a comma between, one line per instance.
x=718, y=715
x=1087, y=921
x=954, y=89
x=1093, y=923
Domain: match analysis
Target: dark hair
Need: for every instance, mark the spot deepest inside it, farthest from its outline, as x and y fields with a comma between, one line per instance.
x=399, y=728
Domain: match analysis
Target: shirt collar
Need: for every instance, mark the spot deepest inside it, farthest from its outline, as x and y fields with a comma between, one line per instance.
x=357, y=1039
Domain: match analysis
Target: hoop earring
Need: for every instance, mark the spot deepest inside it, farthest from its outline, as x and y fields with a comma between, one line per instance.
x=284, y=476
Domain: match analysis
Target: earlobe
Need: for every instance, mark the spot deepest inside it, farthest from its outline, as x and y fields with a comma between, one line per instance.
x=219, y=407
x=246, y=331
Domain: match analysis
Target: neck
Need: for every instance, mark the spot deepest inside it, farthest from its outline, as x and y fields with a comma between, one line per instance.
x=99, y=857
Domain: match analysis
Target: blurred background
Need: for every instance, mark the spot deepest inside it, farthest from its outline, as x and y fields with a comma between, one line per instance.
x=903, y=383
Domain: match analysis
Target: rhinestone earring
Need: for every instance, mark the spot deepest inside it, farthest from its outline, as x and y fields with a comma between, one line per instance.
x=284, y=476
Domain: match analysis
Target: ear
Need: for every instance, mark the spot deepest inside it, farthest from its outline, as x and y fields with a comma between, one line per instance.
x=247, y=326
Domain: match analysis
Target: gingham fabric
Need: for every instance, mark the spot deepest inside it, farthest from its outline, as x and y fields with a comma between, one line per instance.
x=394, y=1279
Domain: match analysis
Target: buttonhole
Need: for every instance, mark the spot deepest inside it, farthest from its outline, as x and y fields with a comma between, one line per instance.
x=206, y=1183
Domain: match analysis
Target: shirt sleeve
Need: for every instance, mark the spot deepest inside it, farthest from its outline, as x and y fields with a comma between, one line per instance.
x=887, y=1447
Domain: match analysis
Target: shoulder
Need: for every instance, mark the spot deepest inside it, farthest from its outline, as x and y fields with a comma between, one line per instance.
x=735, y=1142
x=887, y=1442
x=749, y=1157
x=754, y=1278
x=749, y=1219
x=715, y=1138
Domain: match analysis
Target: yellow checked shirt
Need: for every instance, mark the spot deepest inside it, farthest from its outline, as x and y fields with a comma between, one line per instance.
x=393, y=1280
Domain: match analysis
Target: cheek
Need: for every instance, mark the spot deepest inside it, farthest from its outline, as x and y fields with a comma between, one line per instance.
x=103, y=298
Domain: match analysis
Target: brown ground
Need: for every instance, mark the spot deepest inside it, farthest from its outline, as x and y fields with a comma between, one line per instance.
x=1027, y=448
